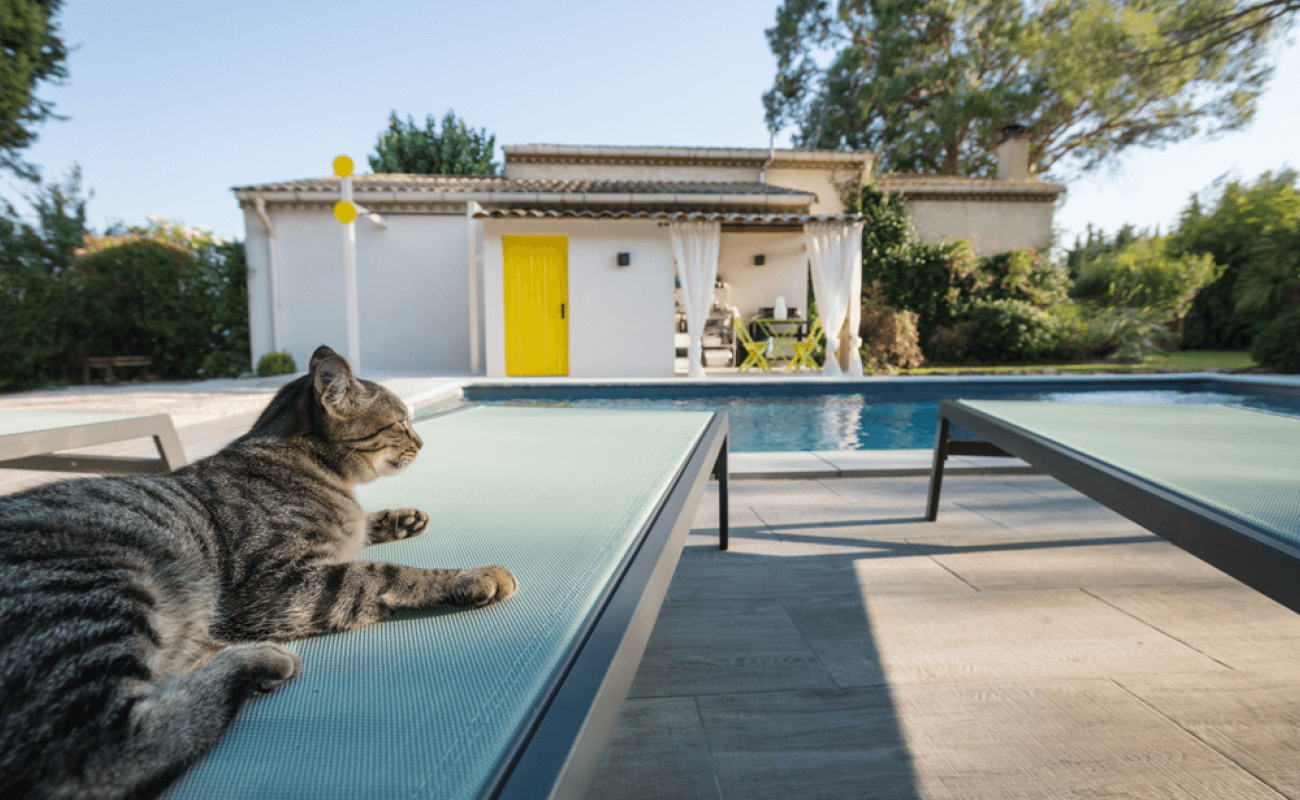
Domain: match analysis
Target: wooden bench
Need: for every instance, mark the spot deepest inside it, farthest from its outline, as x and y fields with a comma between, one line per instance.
x=106, y=363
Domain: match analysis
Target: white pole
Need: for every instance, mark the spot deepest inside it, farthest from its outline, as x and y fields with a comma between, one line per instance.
x=474, y=259
x=273, y=272
x=350, y=283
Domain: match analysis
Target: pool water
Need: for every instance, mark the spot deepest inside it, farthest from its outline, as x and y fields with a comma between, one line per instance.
x=782, y=418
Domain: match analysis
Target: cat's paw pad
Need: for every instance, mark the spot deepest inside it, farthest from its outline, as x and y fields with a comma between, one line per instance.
x=484, y=585
x=408, y=522
x=397, y=523
x=266, y=665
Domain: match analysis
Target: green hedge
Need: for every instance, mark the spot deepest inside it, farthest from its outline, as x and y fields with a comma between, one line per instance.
x=1277, y=345
x=185, y=307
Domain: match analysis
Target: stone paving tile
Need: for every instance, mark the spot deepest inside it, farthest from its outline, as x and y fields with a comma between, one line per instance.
x=818, y=744
x=1230, y=623
x=984, y=636
x=700, y=648
x=1066, y=559
x=837, y=522
x=1052, y=738
x=1249, y=717
x=653, y=733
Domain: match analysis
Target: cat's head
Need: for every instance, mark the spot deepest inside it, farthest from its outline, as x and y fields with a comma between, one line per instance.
x=364, y=425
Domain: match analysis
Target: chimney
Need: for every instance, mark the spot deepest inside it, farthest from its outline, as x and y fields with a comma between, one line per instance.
x=1013, y=153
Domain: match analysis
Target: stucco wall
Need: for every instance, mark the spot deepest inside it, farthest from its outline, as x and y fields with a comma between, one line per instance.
x=824, y=183
x=620, y=318
x=784, y=273
x=991, y=227
x=412, y=289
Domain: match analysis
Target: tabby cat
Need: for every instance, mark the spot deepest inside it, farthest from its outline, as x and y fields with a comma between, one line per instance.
x=137, y=614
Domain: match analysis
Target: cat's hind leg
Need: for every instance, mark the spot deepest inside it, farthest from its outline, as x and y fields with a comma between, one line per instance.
x=173, y=726
x=395, y=524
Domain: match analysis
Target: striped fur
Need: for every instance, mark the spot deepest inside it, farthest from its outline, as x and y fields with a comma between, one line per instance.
x=137, y=614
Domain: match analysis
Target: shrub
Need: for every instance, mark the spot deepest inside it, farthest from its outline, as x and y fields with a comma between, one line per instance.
x=1144, y=274
x=889, y=336
x=1024, y=274
x=924, y=278
x=1008, y=330
x=142, y=297
x=34, y=328
x=1277, y=345
x=275, y=363
x=1235, y=226
x=1099, y=331
x=950, y=343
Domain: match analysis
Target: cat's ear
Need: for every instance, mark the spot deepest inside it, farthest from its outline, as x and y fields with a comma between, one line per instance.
x=333, y=379
x=320, y=355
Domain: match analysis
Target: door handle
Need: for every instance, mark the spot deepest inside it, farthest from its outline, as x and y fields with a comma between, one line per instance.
x=561, y=310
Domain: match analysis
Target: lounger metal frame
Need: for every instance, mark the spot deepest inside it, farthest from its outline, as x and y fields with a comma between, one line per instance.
x=1264, y=563
x=36, y=450
x=558, y=750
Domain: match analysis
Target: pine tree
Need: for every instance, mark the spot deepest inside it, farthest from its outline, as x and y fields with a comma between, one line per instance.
x=455, y=150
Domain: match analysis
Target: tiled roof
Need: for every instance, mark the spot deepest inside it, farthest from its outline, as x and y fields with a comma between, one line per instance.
x=750, y=156
x=476, y=184
x=960, y=187
x=728, y=218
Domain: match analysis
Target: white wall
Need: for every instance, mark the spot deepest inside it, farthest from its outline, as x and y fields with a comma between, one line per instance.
x=991, y=226
x=825, y=183
x=412, y=286
x=784, y=273
x=620, y=318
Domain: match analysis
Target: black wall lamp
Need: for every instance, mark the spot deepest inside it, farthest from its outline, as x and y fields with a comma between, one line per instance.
x=624, y=259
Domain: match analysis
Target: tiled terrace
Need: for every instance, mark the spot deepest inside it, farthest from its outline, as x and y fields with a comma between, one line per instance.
x=1028, y=644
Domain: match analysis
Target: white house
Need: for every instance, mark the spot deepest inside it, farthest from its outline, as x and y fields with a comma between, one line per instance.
x=565, y=264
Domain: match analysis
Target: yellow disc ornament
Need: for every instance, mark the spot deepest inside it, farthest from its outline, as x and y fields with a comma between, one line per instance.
x=344, y=211
x=342, y=166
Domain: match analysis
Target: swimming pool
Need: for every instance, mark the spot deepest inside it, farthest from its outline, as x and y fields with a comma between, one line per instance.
x=880, y=414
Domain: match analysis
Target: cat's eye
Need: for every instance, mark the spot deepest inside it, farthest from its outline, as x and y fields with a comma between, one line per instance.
x=376, y=433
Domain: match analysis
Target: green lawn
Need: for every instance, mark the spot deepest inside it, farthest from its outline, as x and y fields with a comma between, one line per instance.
x=1175, y=361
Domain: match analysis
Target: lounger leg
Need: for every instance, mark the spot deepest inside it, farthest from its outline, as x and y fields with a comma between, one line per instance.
x=936, y=471
x=720, y=472
x=169, y=448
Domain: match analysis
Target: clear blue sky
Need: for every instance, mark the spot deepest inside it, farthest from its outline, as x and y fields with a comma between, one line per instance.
x=170, y=104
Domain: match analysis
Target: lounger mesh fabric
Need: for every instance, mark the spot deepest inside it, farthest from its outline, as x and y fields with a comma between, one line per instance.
x=424, y=706
x=1241, y=463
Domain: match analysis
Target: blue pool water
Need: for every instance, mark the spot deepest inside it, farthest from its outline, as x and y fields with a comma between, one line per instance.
x=898, y=415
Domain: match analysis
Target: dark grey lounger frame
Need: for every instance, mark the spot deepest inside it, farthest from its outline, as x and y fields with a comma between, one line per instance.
x=559, y=748
x=1269, y=566
x=36, y=449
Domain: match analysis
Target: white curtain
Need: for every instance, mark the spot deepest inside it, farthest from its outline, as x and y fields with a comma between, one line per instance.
x=835, y=254
x=695, y=248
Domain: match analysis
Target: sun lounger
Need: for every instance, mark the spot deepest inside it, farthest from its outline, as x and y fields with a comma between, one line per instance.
x=31, y=439
x=1222, y=483
x=589, y=509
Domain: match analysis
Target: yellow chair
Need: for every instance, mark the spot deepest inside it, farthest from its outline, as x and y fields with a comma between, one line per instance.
x=803, y=350
x=756, y=351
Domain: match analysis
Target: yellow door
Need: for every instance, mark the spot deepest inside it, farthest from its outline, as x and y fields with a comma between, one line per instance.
x=537, y=299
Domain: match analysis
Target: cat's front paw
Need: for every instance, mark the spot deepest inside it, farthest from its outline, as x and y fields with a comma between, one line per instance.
x=482, y=586
x=396, y=524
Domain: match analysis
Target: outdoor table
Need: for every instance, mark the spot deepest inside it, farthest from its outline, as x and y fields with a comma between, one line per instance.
x=783, y=333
